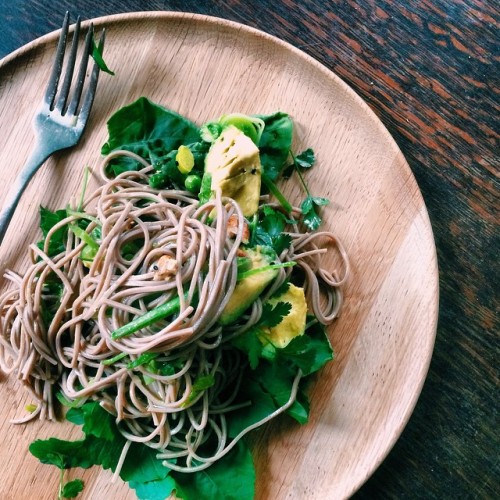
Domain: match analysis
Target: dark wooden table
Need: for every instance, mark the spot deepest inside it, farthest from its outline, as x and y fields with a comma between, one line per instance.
x=429, y=69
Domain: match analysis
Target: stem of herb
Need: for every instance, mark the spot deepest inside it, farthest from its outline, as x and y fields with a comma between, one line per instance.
x=84, y=236
x=302, y=181
x=276, y=193
x=83, y=215
x=61, y=482
x=85, y=181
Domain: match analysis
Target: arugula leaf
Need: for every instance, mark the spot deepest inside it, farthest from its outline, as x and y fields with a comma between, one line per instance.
x=230, y=478
x=48, y=220
x=267, y=389
x=72, y=488
x=153, y=490
x=275, y=143
x=147, y=129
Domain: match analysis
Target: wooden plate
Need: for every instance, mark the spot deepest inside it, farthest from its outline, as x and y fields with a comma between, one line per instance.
x=203, y=67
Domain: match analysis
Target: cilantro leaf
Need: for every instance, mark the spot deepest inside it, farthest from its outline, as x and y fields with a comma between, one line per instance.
x=249, y=343
x=305, y=159
x=72, y=488
x=310, y=216
x=273, y=315
x=230, y=478
x=270, y=231
x=310, y=351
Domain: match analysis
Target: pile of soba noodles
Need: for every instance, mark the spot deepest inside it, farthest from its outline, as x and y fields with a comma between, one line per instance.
x=135, y=327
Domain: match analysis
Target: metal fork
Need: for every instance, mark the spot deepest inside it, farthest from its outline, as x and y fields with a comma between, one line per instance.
x=60, y=121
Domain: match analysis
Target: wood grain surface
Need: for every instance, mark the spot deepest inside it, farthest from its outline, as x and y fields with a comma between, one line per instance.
x=429, y=70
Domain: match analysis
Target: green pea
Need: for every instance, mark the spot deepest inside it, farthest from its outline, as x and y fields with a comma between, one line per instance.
x=193, y=183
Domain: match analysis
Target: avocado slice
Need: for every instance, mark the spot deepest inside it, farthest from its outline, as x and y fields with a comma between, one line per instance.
x=293, y=324
x=249, y=288
x=233, y=161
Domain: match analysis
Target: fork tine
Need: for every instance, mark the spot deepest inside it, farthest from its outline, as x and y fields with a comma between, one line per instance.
x=70, y=67
x=58, y=62
x=75, y=100
x=89, y=98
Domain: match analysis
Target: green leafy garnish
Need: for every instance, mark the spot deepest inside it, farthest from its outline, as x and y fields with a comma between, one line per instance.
x=216, y=483
x=96, y=53
x=273, y=315
x=143, y=359
x=200, y=385
x=275, y=143
x=72, y=488
x=309, y=206
x=48, y=220
x=270, y=231
x=149, y=130
x=310, y=216
x=305, y=159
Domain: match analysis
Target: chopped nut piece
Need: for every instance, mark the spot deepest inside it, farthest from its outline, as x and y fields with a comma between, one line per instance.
x=232, y=229
x=165, y=267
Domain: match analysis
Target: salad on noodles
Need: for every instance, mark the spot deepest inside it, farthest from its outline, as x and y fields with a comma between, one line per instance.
x=178, y=306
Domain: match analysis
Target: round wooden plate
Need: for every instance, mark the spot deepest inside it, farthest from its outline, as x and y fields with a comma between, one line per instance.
x=203, y=67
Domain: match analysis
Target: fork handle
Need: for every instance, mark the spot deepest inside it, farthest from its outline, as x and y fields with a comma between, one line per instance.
x=37, y=158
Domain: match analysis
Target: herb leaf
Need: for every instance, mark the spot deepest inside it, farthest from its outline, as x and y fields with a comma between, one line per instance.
x=72, y=488
x=273, y=315
x=305, y=159
x=96, y=53
x=231, y=478
x=200, y=384
x=275, y=143
x=310, y=216
x=147, y=129
x=270, y=231
x=48, y=220
x=249, y=343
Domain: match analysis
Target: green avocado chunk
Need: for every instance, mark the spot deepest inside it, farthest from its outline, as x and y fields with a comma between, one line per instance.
x=234, y=164
x=249, y=288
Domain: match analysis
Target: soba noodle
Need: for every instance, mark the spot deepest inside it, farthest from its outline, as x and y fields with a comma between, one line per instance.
x=75, y=352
